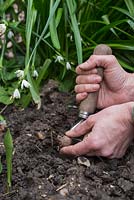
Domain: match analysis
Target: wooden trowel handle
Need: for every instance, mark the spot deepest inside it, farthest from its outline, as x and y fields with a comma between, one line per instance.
x=88, y=105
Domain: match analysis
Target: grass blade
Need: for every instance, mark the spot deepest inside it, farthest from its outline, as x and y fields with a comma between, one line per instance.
x=31, y=17
x=123, y=11
x=43, y=72
x=125, y=66
x=130, y=6
x=34, y=91
x=6, y=5
x=53, y=29
x=106, y=28
x=106, y=20
x=57, y=20
x=58, y=16
x=8, y=143
x=71, y=7
x=45, y=28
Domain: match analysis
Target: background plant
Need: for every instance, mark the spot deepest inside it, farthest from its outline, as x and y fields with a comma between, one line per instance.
x=6, y=139
x=47, y=39
x=8, y=144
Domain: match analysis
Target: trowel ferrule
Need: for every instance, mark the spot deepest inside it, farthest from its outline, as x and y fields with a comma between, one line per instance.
x=83, y=114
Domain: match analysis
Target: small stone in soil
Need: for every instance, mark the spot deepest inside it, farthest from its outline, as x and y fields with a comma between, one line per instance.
x=40, y=135
x=64, y=141
x=83, y=161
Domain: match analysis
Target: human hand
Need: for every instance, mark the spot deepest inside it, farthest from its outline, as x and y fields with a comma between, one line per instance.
x=111, y=131
x=116, y=86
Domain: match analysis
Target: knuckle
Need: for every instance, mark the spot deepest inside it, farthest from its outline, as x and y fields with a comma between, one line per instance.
x=89, y=79
x=85, y=87
x=93, y=78
x=112, y=59
x=92, y=57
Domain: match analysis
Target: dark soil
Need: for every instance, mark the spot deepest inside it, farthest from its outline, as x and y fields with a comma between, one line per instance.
x=41, y=173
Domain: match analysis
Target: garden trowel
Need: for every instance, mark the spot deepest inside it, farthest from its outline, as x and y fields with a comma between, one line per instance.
x=88, y=106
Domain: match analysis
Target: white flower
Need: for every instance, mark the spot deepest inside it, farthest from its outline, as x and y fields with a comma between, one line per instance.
x=35, y=74
x=16, y=94
x=20, y=73
x=25, y=84
x=70, y=36
x=68, y=66
x=10, y=34
x=59, y=58
x=2, y=29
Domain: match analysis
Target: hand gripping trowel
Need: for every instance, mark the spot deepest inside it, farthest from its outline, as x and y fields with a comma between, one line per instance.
x=88, y=106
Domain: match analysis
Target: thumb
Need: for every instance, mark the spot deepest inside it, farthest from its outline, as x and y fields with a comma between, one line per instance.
x=82, y=128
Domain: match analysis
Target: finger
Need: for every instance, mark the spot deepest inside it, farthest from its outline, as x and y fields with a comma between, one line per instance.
x=98, y=61
x=86, y=88
x=81, y=96
x=93, y=78
x=93, y=153
x=80, y=71
x=78, y=149
x=87, y=65
x=82, y=128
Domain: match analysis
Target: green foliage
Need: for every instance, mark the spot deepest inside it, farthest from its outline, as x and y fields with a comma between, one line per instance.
x=111, y=23
x=5, y=5
x=53, y=28
x=72, y=8
x=8, y=143
x=56, y=36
